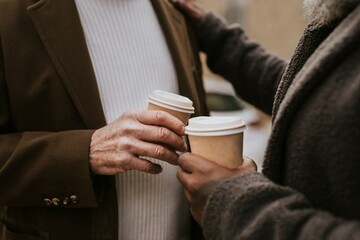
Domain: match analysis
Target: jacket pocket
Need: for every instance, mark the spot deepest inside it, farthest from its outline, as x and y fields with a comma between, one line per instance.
x=7, y=234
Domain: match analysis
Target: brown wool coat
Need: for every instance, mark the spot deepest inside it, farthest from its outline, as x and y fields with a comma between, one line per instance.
x=49, y=108
x=311, y=187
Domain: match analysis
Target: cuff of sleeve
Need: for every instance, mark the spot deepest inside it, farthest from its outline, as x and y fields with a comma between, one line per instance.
x=223, y=198
x=71, y=175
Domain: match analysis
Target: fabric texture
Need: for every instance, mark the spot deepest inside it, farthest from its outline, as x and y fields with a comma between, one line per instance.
x=311, y=188
x=50, y=106
x=131, y=59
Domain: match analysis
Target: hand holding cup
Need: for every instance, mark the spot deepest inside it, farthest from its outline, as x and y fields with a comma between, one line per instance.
x=200, y=176
x=217, y=138
x=116, y=147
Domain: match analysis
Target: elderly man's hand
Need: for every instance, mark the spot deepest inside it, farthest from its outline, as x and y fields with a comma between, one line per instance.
x=191, y=9
x=116, y=147
x=200, y=176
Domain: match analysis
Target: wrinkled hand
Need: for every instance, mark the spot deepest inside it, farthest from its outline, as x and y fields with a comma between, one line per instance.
x=191, y=9
x=200, y=176
x=116, y=147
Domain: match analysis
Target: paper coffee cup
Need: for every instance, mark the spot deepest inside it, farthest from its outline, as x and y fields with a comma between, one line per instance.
x=177, y=105
x=219, y=139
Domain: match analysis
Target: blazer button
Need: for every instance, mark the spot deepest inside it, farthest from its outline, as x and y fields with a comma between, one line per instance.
x=66, y=201
x=74, y=199
x=47, y=202
x=56, y=201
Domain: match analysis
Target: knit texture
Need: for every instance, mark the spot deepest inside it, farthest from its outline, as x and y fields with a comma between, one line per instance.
x=130, y=59
x=311, y=188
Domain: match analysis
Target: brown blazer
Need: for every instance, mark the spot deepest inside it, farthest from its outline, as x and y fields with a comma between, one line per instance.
x=49, y=108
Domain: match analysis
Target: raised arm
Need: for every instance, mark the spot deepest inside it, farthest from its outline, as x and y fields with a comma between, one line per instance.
x=254, y=73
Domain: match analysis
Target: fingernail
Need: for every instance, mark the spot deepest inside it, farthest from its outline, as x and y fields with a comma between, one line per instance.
x=158, y=169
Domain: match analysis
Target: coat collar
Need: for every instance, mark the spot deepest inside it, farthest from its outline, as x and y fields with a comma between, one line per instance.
x=340, y=41
x=324, y=59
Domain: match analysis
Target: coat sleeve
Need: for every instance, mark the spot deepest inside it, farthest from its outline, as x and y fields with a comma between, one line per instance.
x=252, y=207
x=254, y=73
x=38, y=167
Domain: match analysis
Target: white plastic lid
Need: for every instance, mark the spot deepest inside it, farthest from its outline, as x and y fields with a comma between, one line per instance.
x=215, y=126
x=172, y=101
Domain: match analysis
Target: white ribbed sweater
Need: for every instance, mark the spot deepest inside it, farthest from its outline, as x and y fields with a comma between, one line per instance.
x=131, y=59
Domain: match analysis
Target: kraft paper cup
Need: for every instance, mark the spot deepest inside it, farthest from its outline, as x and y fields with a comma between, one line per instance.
x=219, y=139
x=177, y=105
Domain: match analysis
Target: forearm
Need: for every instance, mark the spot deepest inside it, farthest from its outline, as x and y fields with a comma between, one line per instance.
x=254, y=73
x=38, y=165
x=252, y=207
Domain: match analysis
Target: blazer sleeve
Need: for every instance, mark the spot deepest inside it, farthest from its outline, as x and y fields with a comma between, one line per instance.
x=254, y=73
x=38, y=167
x=250, y=206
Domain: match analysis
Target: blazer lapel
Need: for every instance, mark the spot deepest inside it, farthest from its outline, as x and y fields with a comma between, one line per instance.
x=177, y=36
x=59, y=28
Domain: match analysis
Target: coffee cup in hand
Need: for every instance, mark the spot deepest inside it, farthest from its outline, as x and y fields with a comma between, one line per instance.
x=218, y=138
x=177, y=105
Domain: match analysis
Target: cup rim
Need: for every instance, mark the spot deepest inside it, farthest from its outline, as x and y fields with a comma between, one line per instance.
x=215, y=133
x=161, y=104
x=171, y=101
x=215, y=126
